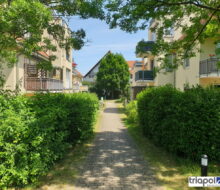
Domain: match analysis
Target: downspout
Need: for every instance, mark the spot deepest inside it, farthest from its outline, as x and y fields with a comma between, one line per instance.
x=17, y=74
x=174, y=79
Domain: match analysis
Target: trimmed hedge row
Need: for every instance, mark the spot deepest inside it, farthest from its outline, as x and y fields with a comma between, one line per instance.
x=36, y=131
x=131, y=112
x=185, y=123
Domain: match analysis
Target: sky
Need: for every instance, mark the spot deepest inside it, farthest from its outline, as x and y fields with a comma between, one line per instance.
x=101, y=40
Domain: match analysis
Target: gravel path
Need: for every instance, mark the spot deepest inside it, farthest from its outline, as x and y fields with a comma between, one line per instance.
x=114, y=162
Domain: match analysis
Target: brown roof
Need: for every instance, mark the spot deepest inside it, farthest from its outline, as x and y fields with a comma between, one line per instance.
x=131, y=63
x=131, y=66
x=78, y=73
x=182, y=37
x=43, y=54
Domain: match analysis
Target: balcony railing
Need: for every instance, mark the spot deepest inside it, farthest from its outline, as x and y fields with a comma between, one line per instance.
x=209, y=67
x=144, y=76
x=43, y=84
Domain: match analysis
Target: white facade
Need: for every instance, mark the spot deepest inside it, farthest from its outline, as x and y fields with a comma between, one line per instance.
x=25, y=75
x=187, y=74
x=91, y=75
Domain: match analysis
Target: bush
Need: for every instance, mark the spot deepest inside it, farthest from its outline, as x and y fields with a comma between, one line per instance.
x=186, y=123
x=36, y=131
x=131, y=112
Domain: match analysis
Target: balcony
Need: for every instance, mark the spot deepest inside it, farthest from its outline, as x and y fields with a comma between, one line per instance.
x=43, y=84
x=144, y=76
x=209, y=68
x=144, y=48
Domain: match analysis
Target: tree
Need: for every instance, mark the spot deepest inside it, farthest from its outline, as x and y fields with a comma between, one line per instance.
x=204, y=17
x=23, y=22
x=113, y=76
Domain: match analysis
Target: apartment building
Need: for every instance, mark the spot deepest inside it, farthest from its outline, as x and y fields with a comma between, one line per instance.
x=77, y=79
x=26, y=76
x=198, y=70
x=141, y=77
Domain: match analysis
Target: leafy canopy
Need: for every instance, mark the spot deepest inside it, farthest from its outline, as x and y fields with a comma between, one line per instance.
x=23, y=22
x=113, y=76
x=203, y=16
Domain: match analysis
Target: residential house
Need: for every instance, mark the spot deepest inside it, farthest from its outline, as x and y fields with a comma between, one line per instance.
x=26, y=76
x=199, y=70
x=90, y=76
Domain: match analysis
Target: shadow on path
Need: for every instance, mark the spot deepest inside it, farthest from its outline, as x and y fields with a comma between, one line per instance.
x=114, y=161
x=113, y=110
x=115, y=165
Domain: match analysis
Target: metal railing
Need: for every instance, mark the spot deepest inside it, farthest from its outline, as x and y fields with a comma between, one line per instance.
x=209, y=66
x=144, y=76
x=43, y=84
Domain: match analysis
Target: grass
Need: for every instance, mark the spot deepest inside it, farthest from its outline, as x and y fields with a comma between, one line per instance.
x=64, y=174
x=171, y=171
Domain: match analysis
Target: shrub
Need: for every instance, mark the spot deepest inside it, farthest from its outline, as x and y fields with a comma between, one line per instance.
x=36, y=131
x=131, y=112
x=186, y=123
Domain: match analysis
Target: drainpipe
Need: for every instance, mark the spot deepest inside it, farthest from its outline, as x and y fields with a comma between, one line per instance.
x=174, y=79
x=17, y=73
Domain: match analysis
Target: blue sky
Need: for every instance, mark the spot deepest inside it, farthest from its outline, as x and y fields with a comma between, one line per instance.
x=102, y=39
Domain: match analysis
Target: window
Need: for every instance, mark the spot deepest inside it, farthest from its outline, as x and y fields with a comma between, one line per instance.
x=54, y=72
x=151, y=64
x=169, y=61
x=186, y=62
x=217, y=50
x=217, y=85
x=67, y=55
x=91, y=75
x=68, y=75
x=32, y=70
x=168, y=31
x=61, y=74
x=154, y=36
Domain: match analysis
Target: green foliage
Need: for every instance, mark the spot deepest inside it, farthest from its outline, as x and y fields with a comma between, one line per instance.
x=24, y=21
x=185, y=123
x=144, y=47
x=131, y=112
x=113, y=76
x=36, y=131
x=203, y=17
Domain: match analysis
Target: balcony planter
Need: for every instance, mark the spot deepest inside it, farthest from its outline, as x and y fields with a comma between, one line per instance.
x=144, y=48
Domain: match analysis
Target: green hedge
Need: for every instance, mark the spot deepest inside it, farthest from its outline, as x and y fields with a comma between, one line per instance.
x=185, y=123
x=131, y=112
x=36, y=131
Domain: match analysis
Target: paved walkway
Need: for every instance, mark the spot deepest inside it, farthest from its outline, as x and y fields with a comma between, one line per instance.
x=114, y=162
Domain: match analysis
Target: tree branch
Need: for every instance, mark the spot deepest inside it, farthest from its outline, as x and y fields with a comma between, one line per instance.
x=189, y=3
x=203, y=28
